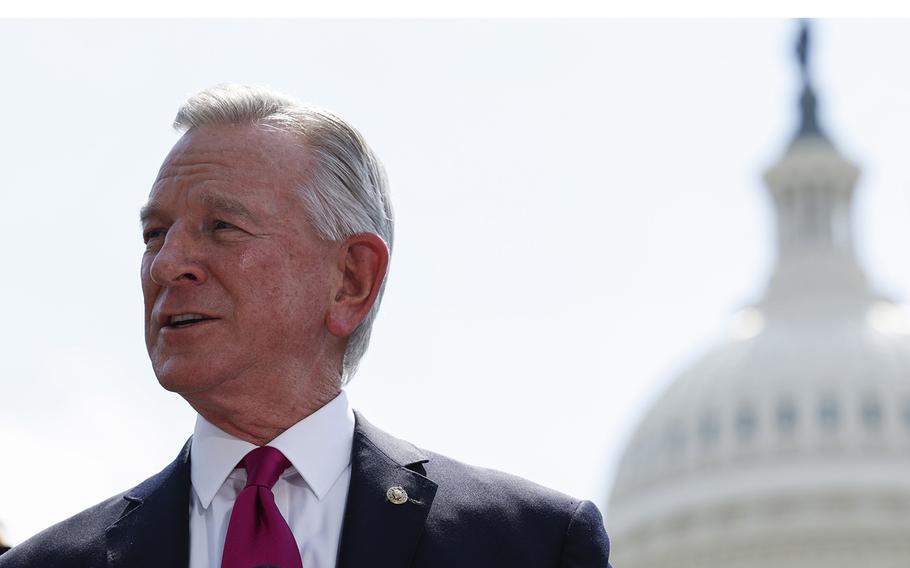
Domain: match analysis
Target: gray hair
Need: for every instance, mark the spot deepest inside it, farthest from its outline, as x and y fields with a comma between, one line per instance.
x=345, y=192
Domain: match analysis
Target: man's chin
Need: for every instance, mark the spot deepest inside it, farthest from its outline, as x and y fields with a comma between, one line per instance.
x=179, y=385
x=184, y=381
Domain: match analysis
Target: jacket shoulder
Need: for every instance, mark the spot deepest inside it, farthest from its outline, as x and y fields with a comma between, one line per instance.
x=76, y=541
x=471, y=487
x=81, y=541
x=508, y=516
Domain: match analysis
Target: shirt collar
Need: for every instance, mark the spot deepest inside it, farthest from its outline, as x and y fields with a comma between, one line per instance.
x=318, y=447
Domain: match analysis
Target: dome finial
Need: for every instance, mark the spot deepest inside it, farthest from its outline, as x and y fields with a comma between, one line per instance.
x=802, y=50
x=808, y=119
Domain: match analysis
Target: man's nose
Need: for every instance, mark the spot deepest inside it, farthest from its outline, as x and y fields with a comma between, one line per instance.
x=179, y=261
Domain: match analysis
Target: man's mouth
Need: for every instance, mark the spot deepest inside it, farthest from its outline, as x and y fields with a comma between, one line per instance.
x=185, y=320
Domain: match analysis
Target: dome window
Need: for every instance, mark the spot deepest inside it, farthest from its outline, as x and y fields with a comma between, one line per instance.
x=872, y=414
x=828, y=413
x=786, y=415
x=746, y=422
x=709, y=428
x=905, y=412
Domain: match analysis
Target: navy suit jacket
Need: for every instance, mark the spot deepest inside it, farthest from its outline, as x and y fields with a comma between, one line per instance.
x=457, y=516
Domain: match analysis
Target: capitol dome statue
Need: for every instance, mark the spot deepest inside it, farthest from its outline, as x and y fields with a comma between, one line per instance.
x=788, y=445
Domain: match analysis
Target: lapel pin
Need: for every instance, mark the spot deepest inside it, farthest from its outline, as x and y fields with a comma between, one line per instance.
x=396, y=495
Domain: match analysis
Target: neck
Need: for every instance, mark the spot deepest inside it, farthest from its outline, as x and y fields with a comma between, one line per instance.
x=259, y=420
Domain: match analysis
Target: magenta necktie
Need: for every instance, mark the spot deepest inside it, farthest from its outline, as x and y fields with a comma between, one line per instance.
x=258, y=535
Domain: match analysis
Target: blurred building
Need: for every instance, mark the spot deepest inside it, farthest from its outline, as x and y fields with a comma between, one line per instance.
x=788, y=445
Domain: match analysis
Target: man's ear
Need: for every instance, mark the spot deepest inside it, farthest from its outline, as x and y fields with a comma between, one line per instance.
x=362, y=259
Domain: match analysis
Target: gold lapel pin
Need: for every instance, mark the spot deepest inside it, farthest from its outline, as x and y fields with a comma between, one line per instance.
x=396, y=495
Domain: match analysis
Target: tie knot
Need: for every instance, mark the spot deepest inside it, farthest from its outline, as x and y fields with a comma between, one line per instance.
x=264, y=466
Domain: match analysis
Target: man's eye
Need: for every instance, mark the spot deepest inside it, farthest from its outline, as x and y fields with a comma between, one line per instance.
x=152, y=234
x=219, y=225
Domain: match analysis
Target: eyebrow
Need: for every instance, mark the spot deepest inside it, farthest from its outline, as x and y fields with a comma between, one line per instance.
x=150, y=209
x=226, y=204
x=220, y=203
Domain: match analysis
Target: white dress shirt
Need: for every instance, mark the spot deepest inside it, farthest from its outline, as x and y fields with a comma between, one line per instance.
x=310, y=495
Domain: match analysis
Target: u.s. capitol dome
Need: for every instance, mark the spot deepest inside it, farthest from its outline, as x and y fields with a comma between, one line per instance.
x=788, y=445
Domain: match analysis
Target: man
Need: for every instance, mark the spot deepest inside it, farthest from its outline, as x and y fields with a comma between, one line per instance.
x=268, y=233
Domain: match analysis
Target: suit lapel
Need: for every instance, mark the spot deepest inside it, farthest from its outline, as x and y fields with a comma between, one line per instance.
x=377, y=532
x=153, y=530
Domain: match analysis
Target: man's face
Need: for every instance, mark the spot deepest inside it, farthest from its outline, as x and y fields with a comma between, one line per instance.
x=227, y=239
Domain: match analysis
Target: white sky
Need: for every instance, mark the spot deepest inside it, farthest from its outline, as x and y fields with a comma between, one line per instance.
x=579, y=210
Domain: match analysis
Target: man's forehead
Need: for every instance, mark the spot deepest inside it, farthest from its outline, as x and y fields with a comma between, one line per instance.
x=208, y=198
x=221, y=166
